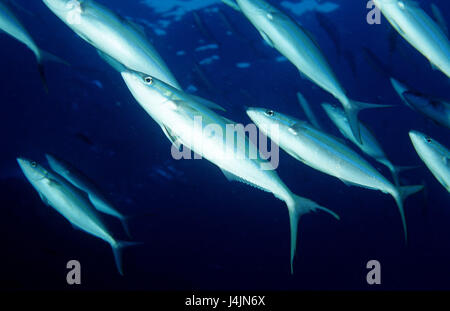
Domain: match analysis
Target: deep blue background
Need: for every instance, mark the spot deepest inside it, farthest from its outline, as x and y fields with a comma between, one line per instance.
x=200, y=231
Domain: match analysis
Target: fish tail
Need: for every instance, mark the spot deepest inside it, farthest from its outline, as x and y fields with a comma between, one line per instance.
x=45, y=56
x=118, y=247
x=400, y=196
x=126, y=227
x=352, y=110
x=42, y=57
x=298, y=207
x=41, y=70
x=397, y=170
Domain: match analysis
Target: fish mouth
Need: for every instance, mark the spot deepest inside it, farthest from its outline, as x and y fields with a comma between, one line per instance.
x=22, y=161
x=251, y=112
x=415, y=135
x=128, y=76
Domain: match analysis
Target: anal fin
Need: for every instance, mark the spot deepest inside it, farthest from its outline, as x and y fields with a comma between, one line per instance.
x=231, y=177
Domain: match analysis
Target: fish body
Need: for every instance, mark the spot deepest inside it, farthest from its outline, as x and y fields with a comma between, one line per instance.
x=82, y=182
x=71, y=203
x=435, y=109
x=419, y=29
x=12, y=26
x=297, y=44
x=113, y=35
x=327, y=154
x=435, y=156
x=370, y=146
x=187, y=122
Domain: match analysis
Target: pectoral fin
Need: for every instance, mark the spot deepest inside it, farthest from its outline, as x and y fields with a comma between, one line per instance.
x=139, y=28
x=267, y=39
x=433, y=66
x=348, y=184
x=206, y=103
x=172, y=137
x=44, y=199
x=398, y=28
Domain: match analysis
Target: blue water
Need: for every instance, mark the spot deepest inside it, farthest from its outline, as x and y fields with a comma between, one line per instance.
x=201, y=231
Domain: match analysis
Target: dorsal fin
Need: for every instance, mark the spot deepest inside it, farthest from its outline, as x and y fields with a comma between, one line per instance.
x=172, y=137
x=139, y=28
x=206, y=103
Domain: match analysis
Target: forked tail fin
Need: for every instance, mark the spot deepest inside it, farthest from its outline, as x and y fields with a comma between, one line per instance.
x=43, y=57
x=397, y=170
x=118, y=248
x=352, y=111
x=43, y=77
x=299, y=207
x=125, y=226
x=400, y=196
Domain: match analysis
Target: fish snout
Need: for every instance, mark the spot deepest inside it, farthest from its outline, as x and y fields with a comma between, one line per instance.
x=416, y=136
x=252, y=112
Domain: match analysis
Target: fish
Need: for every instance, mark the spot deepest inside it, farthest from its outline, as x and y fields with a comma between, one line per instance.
x=82, y=182
x=327, y=154
x=400, y=88
x=437, y=110
x=435, y=156
x=72, y=204
x=308, y=110
x=370, y=145
x=227, y=23
x=113, y=35
x=439, y=18
x=205, y=32
x=419, y=29
x=11, y=25
x=298, y=45
x=375, y=62
x=350, y=57
x=177, y=112
x=331, y=29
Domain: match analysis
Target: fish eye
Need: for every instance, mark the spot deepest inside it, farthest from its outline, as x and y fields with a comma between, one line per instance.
x=148, y=80
x=270, y=113
x=429, y=139
x=33, y=164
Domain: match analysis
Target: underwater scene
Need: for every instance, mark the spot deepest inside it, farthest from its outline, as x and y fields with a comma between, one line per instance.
x=208, y=145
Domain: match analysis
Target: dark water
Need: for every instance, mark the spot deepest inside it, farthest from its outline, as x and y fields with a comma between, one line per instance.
x=200, y=231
